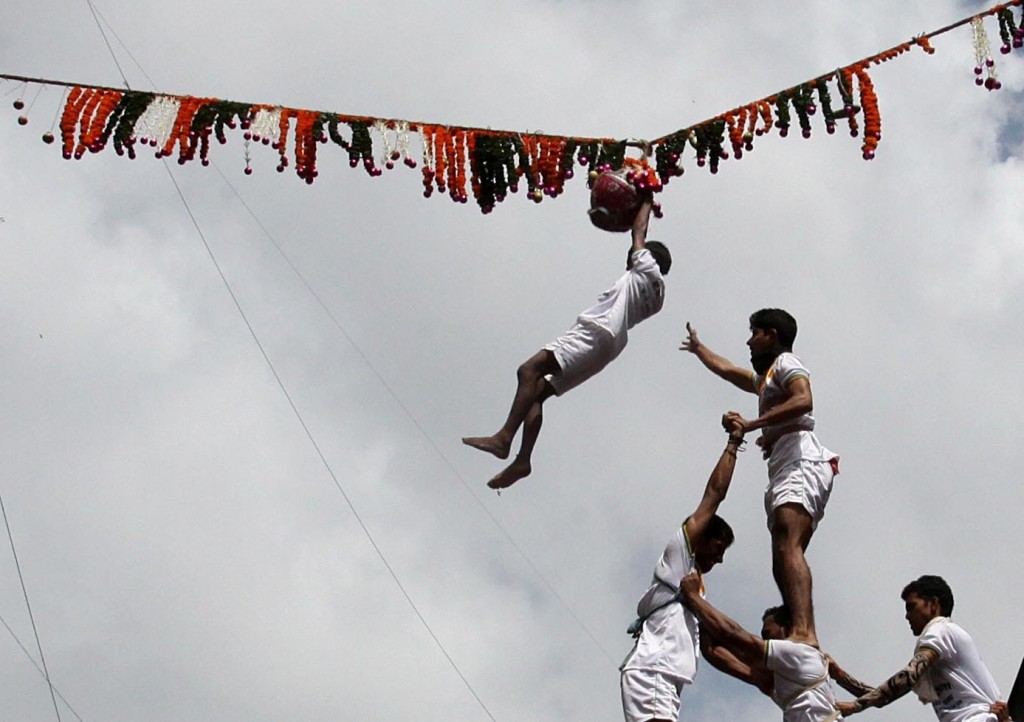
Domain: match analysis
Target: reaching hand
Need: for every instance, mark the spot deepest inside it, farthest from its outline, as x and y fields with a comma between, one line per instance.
x=691, y=343
x=847, y=708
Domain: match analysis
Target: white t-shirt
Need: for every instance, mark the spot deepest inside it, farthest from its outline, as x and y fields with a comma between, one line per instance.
x=958, y=684
x=795, y=439
x=637, y=295
x=670, y=636
x=803, y=689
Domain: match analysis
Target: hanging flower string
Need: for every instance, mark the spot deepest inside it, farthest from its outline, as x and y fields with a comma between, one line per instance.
x=983, y=62
x=486, y=164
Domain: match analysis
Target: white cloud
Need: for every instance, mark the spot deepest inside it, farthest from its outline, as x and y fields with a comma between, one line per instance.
x=187, y=553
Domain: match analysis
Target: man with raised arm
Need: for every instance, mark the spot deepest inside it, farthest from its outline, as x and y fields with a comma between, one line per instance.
x=792, y=673
x=599, y=335
x=800, y=469
x=664, y=658
x=946, y=669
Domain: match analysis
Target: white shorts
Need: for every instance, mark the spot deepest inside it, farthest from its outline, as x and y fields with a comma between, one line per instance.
x=804, y=482
x=648, y=695
x=581, y=352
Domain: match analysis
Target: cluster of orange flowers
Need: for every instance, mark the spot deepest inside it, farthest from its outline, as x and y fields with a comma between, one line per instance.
x=446, y=147
x=481, y=163
x=742, y=124
x=872, y=116
x=547, y=172
x=88, y=110
x=181, y=133
x=306, y=141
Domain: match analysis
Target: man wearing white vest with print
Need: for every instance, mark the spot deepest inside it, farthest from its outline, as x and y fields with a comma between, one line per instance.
x=946, y=670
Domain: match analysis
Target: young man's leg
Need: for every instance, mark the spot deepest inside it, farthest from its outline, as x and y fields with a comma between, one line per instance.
x=521, y=465
x=792, y=528
x=529, y=376
x=649, y=696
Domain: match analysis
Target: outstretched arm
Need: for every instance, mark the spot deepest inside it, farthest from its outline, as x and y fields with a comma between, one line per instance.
x=719, y=365
x=725, y=661
x=744, y=646
x=895, y=687
x=718, y=485
x=640, y=223
x=843, y=678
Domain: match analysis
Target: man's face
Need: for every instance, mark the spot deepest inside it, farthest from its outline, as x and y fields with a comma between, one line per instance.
x=770, y=629
x=709, y=553
x=761, y=341
x=920, y=612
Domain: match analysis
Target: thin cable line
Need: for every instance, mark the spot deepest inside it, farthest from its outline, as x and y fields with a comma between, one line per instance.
x=319, y=452
x=31, y=617
x=113, y=32
x=107, y=41
x=382, y=380
x=34, y=99
x=38, y=668
x=405, y=409
x=56, y=113
x=291, y=402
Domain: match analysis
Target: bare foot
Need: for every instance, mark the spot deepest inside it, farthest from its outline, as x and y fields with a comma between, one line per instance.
x=510, y=475
x=489, y=444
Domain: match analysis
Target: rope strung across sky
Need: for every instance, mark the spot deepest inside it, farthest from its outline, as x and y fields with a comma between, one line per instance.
x=480, y=162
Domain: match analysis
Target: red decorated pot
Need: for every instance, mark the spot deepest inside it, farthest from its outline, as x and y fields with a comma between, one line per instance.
x=613, y=202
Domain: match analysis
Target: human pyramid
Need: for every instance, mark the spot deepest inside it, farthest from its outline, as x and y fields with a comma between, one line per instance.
x=674, y=619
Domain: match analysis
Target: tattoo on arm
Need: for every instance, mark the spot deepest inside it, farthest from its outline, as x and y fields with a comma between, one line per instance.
x=900, y=683
x=850, y=683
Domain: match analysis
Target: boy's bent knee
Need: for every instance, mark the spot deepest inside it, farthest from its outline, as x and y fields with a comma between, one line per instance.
x=540, y=364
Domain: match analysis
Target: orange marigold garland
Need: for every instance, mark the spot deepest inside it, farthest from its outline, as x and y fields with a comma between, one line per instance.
x=489, y=164
x=92, y=102
x=440, y=141
x=872, y=116
x=92, y=138
x=427, y=135
x=925, y=44
x=182, y=134
x=764, y=109
x=69, y=119
x=307, y=137
x=550, y=165
x=751, y=130
x=457, y=150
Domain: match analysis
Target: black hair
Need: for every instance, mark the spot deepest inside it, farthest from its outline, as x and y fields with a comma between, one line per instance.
x=661, y=254
x=783, y=617
x=930, y=586
x=718, y=528
x=781, y=321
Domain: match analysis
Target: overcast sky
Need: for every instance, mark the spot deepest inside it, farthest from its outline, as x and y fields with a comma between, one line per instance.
x=191, y=553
